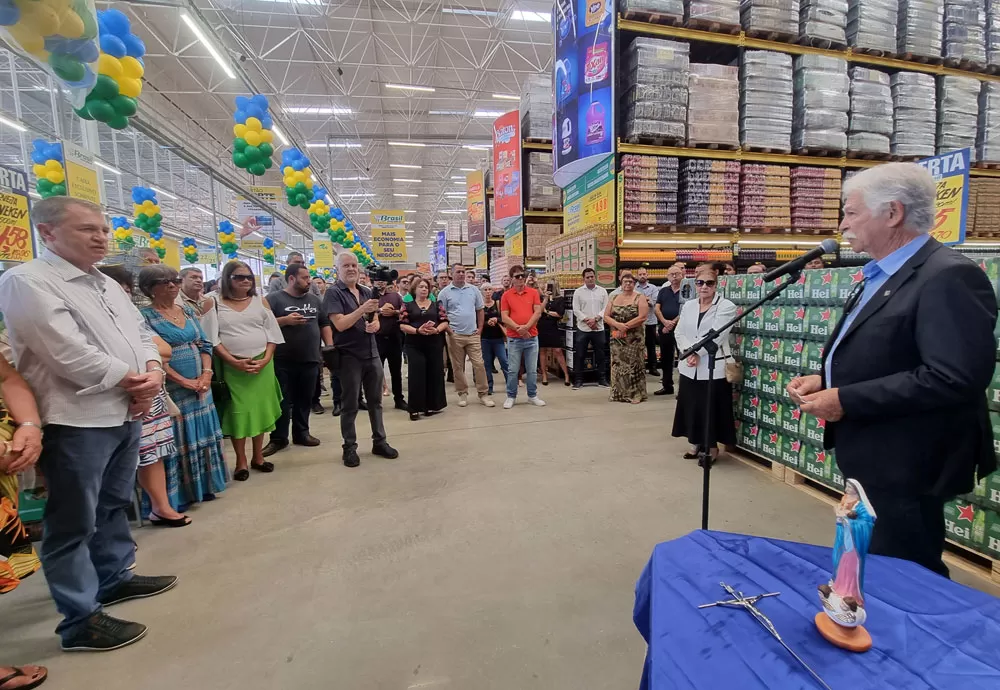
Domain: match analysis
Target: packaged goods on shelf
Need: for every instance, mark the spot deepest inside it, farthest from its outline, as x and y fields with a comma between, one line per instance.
x=921, y=26
x=709, y=193
x=655, y=88
x=664, y=8
x=537, y=235
x=988, y=131
x=870, y=124
x=650, y=189
x=821, y=102
x=453, y=231
x=993, y=32
x=713, y=11
x=766, y=100
x=815, y=199
x=713, y=105
x=764, y=197
x=541, y=192
x=823, y=19
x=536, y=106
x=914, y=119
x=965, y=30
x=765, y=16
x=871, y=24
x=984, y=207
x=958, y=111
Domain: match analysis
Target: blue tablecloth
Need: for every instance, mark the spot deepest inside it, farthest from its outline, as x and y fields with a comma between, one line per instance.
x=927, y=631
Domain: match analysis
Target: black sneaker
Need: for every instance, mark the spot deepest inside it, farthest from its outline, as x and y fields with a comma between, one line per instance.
x=102, y=633
x=318, y=408
x=336, y=409
x=604, y=384
x=310, y=441
x=273, y=447
x=577, y=386
x=385, y=450
x=139, y=587
x=351, y=458
x=362, y=406
x=401, y=405
x=664, y=391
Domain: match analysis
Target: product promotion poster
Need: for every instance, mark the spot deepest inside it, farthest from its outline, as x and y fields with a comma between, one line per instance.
x=254, y=219
x=482, y=258
x=506, y=169
x=323, y=252
x=15, y=222
x=475, y=204
x=582, y=86
x=513, y=240
x=82, y=181
x=588, y=200
x=388, y=235
x=951, y=171
x=441, y=250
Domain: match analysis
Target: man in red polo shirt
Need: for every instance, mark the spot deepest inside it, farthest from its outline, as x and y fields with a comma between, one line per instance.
x=520, y=309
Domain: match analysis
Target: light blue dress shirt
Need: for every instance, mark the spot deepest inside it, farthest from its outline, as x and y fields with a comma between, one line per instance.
x=876, y=275
x=461, y=303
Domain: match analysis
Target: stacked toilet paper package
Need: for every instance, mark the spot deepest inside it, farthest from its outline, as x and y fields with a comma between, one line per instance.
x=713, y=11
x=871, y=24
x=766, y=100
x=988, y=134
x=993, y=32
x=921, y=26
x=656, y=89
x=965, y=30
x=958, y=112
x=713, y=105
x=666, y=8
x=541, y=191
x=536, y=106
x=823, y=19
x=914, y=118
x=765, y=16
x=822, y=101
x=871, y=111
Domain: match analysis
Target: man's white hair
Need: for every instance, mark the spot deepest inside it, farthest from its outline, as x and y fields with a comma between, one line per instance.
x=344, y=255
x=907, y=183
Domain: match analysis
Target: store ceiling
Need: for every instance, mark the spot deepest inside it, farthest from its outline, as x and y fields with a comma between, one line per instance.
x=328, y=70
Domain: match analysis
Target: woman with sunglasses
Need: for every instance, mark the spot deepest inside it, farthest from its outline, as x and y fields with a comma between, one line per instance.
x=196, y=471
x=698, y=317
x=626, y=316
x=245, y=338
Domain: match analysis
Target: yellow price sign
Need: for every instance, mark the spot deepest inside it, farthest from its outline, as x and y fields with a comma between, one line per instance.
x=951, y=172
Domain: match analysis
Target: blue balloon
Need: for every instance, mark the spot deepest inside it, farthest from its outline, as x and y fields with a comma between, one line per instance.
x=134, y=45
x=253, y=111
x=113, y=46
x=88, y=52
x=260, y=100
x=268, y=243
x=240, y=117
x=9, y=14
x=115, y=22
x=241, y=102
x=266, y=122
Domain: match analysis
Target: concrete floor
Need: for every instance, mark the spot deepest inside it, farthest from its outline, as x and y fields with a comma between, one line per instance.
x=500, y=551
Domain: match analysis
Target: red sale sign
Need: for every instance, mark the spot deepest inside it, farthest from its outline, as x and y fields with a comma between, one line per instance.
x=507, y=168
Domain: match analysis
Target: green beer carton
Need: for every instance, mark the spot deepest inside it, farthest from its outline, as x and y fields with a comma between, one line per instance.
x=770, y=413
x=753, y=345
x=813, y=360
x=754, y=320
x=836, y=476
x=796, y=292
x=771, y=349
x=773, y=318
x=987, y=491
x=821, y=286
x=770, y=382
x=755, y=287
x=965, y=522
x=793, y=324
x=817, y=464
x=725, y=285
x=821, y=321
x=847, y=281
x=738, y=289
x=749, y=436
x=739, y=344
x=793, y=355
x=791, y=421
x=784, y=378
x=991, y=267
x=751, y=377
x=770, y=444
x=749, y=407
x=791, y=451
x=813, y=428
x=993, y=390
x=992, y=537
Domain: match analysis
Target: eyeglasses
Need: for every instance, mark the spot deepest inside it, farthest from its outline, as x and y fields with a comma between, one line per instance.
x=518, y=276
x=240, y=276
x=167, y=281
x=705, y=283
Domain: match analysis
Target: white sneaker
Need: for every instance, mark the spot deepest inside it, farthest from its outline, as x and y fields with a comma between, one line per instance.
x=536, y=401
x=508, y=403
x=463, y=400
x=487, y=401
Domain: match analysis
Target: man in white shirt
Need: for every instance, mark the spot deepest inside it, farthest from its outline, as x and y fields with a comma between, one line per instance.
x=86, y=352
x=589, y=303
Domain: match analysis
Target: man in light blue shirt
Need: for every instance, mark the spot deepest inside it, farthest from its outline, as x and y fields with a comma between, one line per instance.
x=463, y=303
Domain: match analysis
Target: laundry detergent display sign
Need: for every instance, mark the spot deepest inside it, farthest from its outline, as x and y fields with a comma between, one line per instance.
x=588, y=200
x=475, y=204
x=506, y=169
x=582, y=86
x=951, y=172
x=15, y=224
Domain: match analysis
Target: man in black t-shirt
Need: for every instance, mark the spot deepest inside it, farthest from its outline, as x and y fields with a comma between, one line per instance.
x=667, y=311
x=390, y=339
x=297, y=360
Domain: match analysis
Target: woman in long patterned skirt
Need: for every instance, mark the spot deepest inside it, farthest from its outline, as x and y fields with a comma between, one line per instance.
x=626, y=315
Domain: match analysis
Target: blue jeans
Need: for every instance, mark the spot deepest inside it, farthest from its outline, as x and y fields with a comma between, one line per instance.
x=494, y=348
x=529, y=348
x=87, y=547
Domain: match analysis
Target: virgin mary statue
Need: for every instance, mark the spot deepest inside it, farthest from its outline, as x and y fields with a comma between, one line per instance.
x=843, y=597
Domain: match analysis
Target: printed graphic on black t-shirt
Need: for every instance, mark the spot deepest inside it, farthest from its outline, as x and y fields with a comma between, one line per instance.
x=302, y=342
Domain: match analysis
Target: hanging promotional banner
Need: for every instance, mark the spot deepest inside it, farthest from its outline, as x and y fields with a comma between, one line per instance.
x=513, y=240
x=588, y=199
x=323, y=252
x=15, y=222
x=951, y=171
x=388, y=235
x=441, y=250
x=81, y=173
x=475, y=204
x=582, y=86
x=482, y=257
x=507, y=168
x=255, y=219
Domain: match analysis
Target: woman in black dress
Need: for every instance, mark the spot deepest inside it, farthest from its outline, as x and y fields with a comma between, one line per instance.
x=423, y=322
x=550, y=338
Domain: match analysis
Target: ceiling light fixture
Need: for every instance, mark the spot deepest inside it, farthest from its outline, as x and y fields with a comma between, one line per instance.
x=317, y=110
x=410, y=87
x=477, y=147
x=488, y=113
x=467, y=170
x=13, y=125
x=447, y=112
x=333, y=145
x=505, y=97
x=410, y=211
x=105, y=166
x=409, y=222
x=460, y=177
x=196, y=30
x=405, y=165
x=453, y=210
x=278, y=133
x=441, y=222
x=356, y=195
x=415, y=144
x=401, y=194
x=406, y=179
x=160, y=191
x=531, y=16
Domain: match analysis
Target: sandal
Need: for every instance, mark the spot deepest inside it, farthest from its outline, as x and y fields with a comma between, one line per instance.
x=264, y=467
x=157, y=521
x=241, y=475
x=25, y=677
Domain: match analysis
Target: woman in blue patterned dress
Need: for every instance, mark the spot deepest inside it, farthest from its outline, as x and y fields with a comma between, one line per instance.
x=189, y=383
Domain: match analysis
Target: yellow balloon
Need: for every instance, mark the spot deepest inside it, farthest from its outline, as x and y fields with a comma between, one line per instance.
x=55, y=177
x=53, y=164
x=132, y=68
x=70, y=24
x=156, y=209
x=129, y=87
x=287, y=170
x=109, y=65
x=28, y=38
x=252, y=137
x=350, y=236
x=254, y=124
x=289, y=181
x=39, y=170
x=267, y=136
x=240, y=130
x=299, y=176
x=39, y=18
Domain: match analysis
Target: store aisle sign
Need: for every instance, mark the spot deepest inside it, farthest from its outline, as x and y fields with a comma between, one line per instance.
x=323, y=252
x=589, y=200
x=951, y=171
x=513, y=240
x=482, y=261
x=81, y=173
x=475, y=205
x=507, y=169
x=388, y=229
x=582, y=86
x=253, y=218
x=15, y=220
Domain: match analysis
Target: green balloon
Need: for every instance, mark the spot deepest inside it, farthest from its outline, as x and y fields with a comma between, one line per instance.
x=100, y=110
x=266, y=149
x=67, y=67
x=82, y=112
x=105, y=89
x=156, y=218
x=124, y=105
x=258, y=169
x=58, y=190
x=239, y=160
x=43, y=186
x=89, y=24
x=118, y=122
x=141, y=218
x=299, y=187
x=268, y=163
x=239, y=143
x=252, y=153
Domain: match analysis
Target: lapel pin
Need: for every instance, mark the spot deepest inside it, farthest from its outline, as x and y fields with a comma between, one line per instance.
x=887, y=293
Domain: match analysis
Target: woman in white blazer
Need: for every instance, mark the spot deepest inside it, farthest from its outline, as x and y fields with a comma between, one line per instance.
x=698, y=317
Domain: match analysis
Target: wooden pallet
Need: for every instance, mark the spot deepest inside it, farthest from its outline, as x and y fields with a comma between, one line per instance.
x=869, y=156
x=769, y=35
x=965, y=64
x=820, y=152
x=764, y=149
x=907, y=159
x=542, y=209
x=713, y=26
x=874, y=52
x=538, y=140
x=987, y=165
x=654, y=18
x=654, y=141
x=923, y=59
x=713, y=146
x=819, y=42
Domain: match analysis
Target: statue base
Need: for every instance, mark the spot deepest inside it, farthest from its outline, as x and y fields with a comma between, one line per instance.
x=852, y=639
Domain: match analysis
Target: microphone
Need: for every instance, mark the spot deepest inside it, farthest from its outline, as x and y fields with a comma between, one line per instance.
x=827, y=246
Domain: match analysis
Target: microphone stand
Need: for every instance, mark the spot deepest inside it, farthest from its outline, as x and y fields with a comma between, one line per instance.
x=708, y=344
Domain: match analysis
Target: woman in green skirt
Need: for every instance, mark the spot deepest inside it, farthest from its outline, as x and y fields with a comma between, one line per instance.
x=245, y=335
